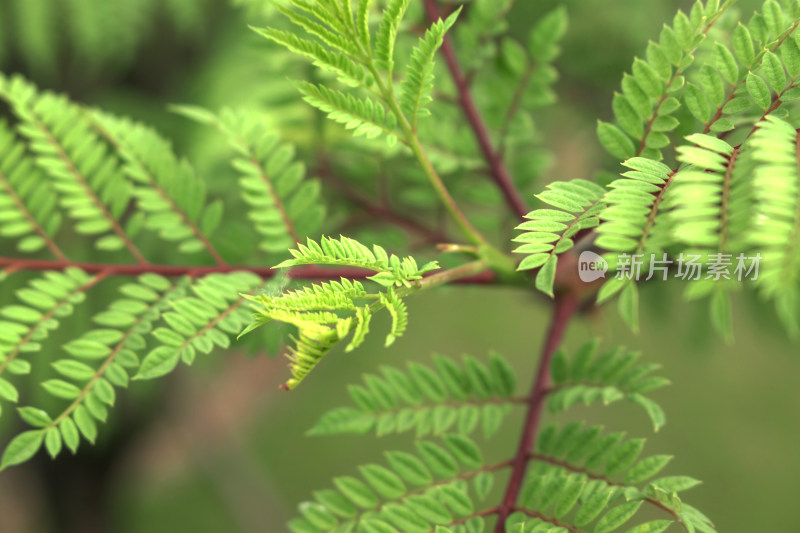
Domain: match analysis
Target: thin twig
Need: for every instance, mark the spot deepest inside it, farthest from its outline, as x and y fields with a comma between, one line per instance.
x=513, y=109
x=382, y=209
x=298, y=273
x=565, y=306
x=499, y=172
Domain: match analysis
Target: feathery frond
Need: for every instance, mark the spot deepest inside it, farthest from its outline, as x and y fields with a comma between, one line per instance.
x=28, y=208
x=415, y=492
x=347, y=71
x=609, y=377
x=447, y=398
x=549, y=232
x=23, y=326
x=199, y=322
x=326, y=314
x=643, y=110
x=86, y=175
x=169, y=194
x=387, y=34
x=391, y=270
x=285, y=206
x=94, y=363
x=632, y=225
x=776, y=232
x=364, y=116
x=418, y=84
x=583, y=476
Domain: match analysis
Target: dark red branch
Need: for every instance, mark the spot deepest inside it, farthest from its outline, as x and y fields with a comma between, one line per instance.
x=304, y=272
x=566, y=306
x=498, y=170
x=381, y=210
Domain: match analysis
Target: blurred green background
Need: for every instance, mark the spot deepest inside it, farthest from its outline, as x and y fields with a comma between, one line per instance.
x=221, y=449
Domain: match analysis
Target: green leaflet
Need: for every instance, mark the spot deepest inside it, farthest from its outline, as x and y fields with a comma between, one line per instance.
x=25, y=202
x=199, y=323
x=545, y=36
x=550, y=232
x=77, y=171
x=327, y=313
x=364, y=116
x=389, y=497
x=391, y=270
x=169, y=194
x=589, y=377
x=285, y=206
x=387, y=34
x=101, y=360
x=418, y=85
x=651, y=93
x=397, y=309
x=43, y=304
x=447, y=398
x=634, y=228
x=348, y=72
x=576, y=469
x=774, y=235
x=725, y=78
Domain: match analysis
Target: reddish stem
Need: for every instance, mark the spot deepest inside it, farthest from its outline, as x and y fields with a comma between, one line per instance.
x=497, y=168
x=305, y=272
x=565, y=306
x=382, y=210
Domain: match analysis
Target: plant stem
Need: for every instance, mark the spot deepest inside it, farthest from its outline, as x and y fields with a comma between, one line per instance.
x=385, y=90
x=497, y=167
x=382, y=210
x=313, y=273
x=565, y=306
x=472, y=234
x=465, y=271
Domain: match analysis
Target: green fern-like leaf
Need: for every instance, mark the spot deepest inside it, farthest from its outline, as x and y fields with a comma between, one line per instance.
x=644, y=109
x=387, y=34
x=43, y=304
x=418, y=83
x=391, y=270
x=776, y=233
x=86, y=175
x=169, y=194
x=609, y=377
x=582, y=475
x=199, y=323
x=284, y=206
x=550, y=232
x=447, y=398
x=28, y=208
x=94, y=364
x=347, y=71
x=415, y=492
x=364, y=116
x=326, y=314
